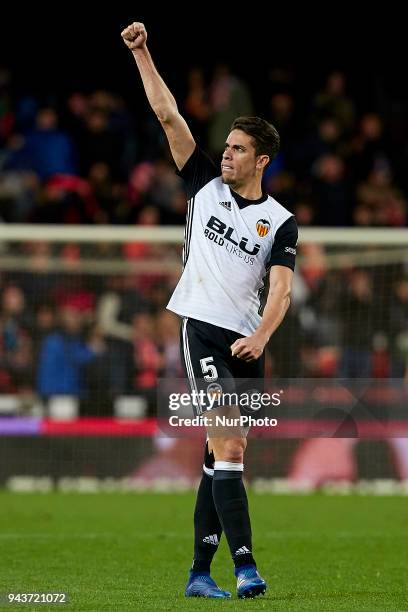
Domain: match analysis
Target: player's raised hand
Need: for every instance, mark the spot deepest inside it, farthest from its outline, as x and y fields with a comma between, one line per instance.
x=135, y=36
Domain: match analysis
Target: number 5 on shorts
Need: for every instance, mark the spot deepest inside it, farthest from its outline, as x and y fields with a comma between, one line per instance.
x=209, y=371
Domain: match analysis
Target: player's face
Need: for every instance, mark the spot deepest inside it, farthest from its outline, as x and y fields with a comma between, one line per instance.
x=238, y=165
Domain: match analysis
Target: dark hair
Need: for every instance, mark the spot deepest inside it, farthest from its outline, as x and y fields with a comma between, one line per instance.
x=265, y=135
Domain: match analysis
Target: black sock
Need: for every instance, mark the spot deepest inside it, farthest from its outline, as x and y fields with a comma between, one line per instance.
x=207, y=526
x=231, y=501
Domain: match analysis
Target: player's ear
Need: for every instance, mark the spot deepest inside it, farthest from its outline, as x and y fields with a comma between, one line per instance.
x=262, y=161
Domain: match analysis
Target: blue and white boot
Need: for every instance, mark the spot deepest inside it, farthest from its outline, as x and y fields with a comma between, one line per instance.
x=249, y=582
x=202, y=585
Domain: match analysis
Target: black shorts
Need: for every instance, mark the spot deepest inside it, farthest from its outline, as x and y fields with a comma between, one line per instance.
x=209, y=365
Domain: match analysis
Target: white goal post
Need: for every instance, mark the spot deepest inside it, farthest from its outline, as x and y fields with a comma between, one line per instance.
x=387, y=236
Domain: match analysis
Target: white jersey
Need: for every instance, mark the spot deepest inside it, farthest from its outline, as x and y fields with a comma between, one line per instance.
x=230, y=243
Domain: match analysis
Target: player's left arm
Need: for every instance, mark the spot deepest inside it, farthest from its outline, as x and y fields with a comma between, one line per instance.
x=277, y=304
x=281, y=264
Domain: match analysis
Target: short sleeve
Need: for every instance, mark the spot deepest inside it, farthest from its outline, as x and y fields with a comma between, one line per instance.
x=198, y=170
x=283, y=252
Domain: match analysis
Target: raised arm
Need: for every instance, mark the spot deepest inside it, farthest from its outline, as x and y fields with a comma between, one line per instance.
x=161, y=100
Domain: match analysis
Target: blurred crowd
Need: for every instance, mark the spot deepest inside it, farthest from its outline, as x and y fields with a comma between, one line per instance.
x=95, y=158
x=94, y=336
x=100, y=336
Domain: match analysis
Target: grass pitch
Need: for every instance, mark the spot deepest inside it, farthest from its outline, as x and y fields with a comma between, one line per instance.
x=118, y=552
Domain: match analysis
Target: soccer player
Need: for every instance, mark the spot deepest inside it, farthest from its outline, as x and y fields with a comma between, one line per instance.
x=239, y=254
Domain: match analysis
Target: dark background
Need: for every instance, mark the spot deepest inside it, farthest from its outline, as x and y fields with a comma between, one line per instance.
x=67, y=47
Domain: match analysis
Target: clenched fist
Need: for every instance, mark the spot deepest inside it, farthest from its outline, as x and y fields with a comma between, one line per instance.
x=135, y=35
x=249, y=348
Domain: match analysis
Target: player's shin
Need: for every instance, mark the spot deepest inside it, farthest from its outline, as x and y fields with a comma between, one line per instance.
x=207, y=526
x=231, y=501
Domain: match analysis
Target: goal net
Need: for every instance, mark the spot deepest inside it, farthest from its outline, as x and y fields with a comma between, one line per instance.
x=86, y=338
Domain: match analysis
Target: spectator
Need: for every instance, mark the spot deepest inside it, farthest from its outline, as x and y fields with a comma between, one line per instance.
x=332, y=101
x=15, y=341
x=358, y=322
x=398, y=329
x=331, y=192
x=197, y=105
x=46, y=149
x=63, y=356
x=229, y=98
x=146, y=359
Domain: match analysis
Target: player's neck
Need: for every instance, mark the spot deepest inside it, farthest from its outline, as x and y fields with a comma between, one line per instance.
x=249, y=191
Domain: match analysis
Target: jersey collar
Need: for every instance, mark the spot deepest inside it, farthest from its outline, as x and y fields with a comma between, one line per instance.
x=244, y=202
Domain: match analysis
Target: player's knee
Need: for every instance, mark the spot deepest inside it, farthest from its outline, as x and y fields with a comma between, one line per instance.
x=230, y=449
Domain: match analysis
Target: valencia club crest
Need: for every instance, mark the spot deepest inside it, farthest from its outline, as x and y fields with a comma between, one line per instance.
x=262, y=227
